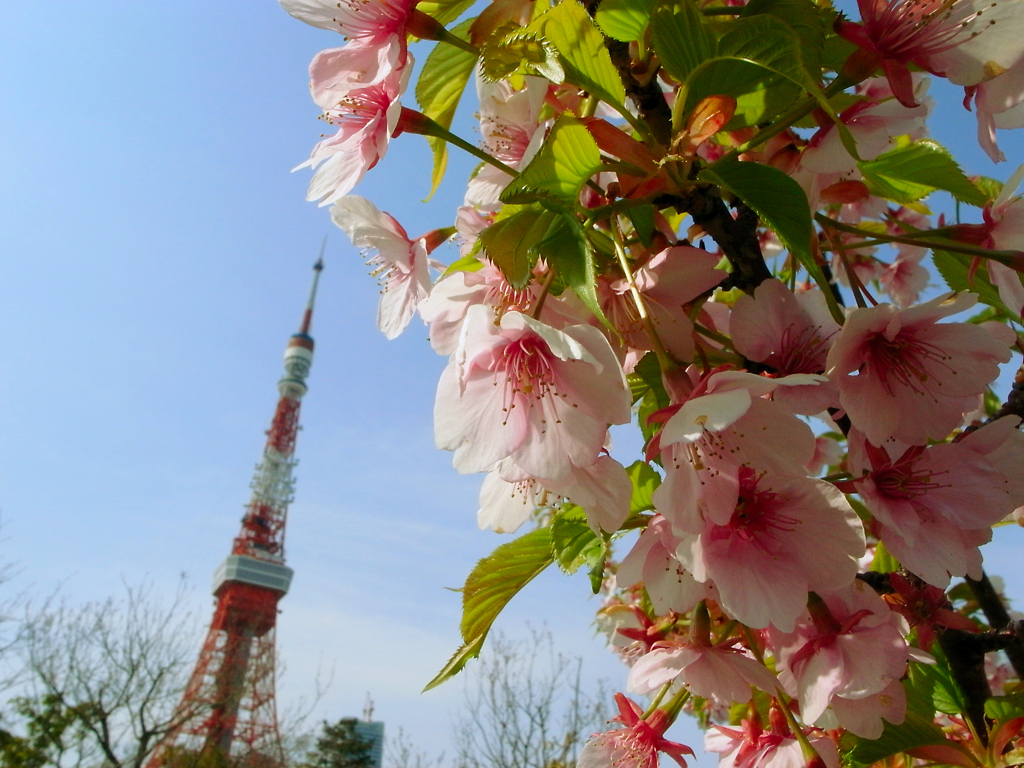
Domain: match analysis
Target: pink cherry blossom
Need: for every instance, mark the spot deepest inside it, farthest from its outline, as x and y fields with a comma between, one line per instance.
x=452, y=296
x=926, y=608
x=509, y=496
x=1007, y=283
x=864, y=717
x=377, y=31
x=866, y=267
x=469, y=223
x=602, y=490
x=520, y=389
x=634, y=746
x=509, y=129
x=1004, y=230
x=669, y=280
x=850, y=645
x=652, y=560
x=400, y=264
x=967, y=41
x=902, y=374
x=999, y=103
x=874, y=123
x=366, y=119
x=905, y=278
x=785, y=537
x=505, y=505
x=614, y=616
x=716, y=432
x=935, y=504
x=827, y=453
x=723, y=673
x=753, y=747
x=790, y=333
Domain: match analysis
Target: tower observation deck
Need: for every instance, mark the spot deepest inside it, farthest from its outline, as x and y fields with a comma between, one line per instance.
x=228, y=715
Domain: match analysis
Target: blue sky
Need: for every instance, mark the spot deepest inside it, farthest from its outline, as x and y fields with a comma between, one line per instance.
x=156, y=255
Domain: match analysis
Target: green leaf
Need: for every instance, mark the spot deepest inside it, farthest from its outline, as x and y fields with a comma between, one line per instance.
x=445, y=11
x=762, y=41
x=781, y=204
x=577, y=38
x=955, y=270
x=646, y=377
x=498, y=578
x=919, y=687
x=643, y=222
x=565, y=247
x=918, y=728
x=946, y=694
x=645, y=480
x=438, y=91
x=836, y=49
x=648, y=405
x=513, y=50
x=907, y=174
x=596, y=574
x=573, y=542
x=465, y=264
x=491, y=585
x=803, y=17
x=1004, y=708
x=883, y=561
x=510, y=241
x=915, y=731
x=456, y=662
x=760, y=93
x=568, y=157
x=758, y=57
x=771, y=194
x=989, y=187
x=681, y=37
x=624, y=20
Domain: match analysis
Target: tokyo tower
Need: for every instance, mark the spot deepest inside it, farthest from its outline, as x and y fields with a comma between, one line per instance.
x=228, y=715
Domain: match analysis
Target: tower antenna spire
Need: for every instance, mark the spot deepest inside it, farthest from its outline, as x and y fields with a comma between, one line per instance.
x=228, y=715
x=307, y=317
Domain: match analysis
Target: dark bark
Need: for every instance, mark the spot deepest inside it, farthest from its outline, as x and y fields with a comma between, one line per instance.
x=647, y=96
x=998, y=618
x=1014, y=405
x=737, y=237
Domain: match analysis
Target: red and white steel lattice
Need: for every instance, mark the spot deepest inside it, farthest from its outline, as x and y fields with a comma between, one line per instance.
x=228, y=715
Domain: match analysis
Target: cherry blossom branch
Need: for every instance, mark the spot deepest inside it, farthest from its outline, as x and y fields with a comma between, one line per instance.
x=412, y=121
x=998, y=618
x=655, y=114
x=428, y=28
x=675, y=704
x=737, y=237
x=664, y=359
x=545, y=288
x=1014, y=405
x=1012, y=259
x=810, y=754
x=656, y=701
x=856, y=285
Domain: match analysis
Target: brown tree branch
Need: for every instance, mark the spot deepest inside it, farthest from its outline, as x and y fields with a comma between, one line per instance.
x=647, y=96
x=737, y=237
x=998, y=618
